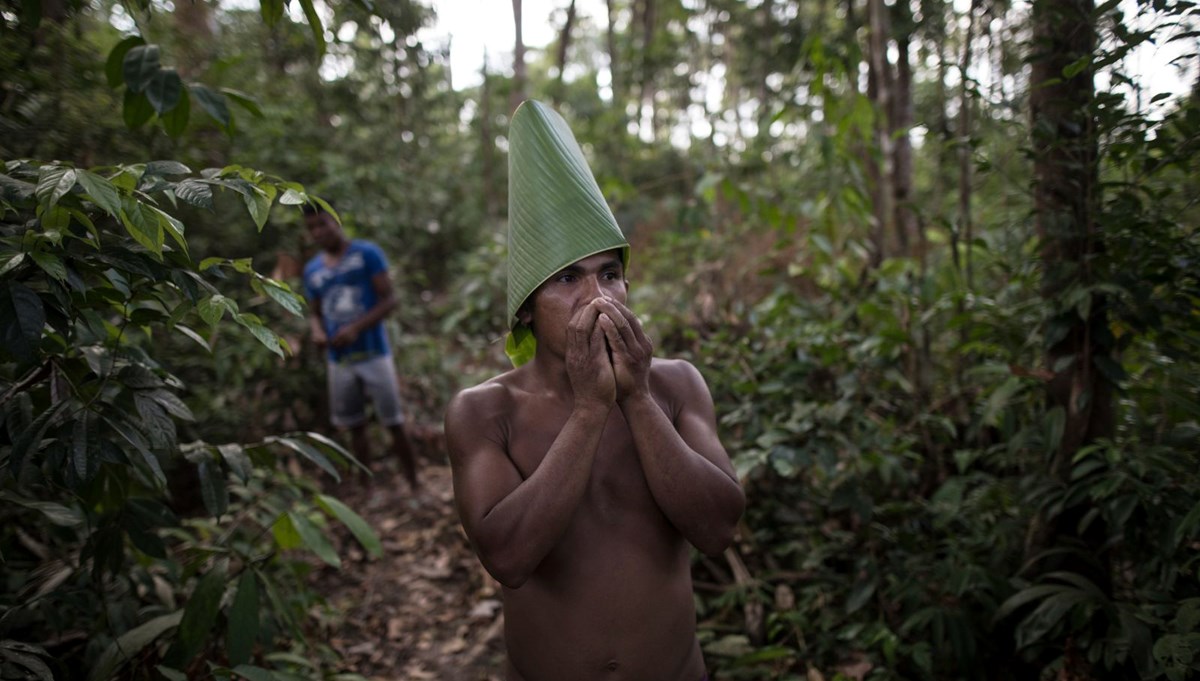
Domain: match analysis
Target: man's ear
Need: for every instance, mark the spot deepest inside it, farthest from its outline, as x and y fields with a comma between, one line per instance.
x=525, y=313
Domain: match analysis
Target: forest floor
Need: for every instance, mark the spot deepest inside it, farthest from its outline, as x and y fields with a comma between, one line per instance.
x=425, y=609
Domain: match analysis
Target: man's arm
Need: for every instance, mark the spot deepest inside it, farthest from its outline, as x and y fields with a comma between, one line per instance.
x=385, y=302
x=686, y=468
x=513, y=523
x=316, y=323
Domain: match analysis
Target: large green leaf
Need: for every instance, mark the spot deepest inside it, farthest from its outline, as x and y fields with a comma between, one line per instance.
x=315, y=539
x=28, y=657
x=172, y=226
x=116, y=59
x=22, y=317
x=196, y=192
x=166, y=167
x=142, y=224
x=138, y=442
x=139, y=66
x=213, y=491
x=557, y=213
x=281, y=293
x=283, y=530
x=353, y=522
x=57, y=514
x=84, y=443
x=53, y=183
x=199, y=616
x=244, y=100
x=267, y=337
x=29, y=439
x=164, y=90
x=100, y=191
x=212, y=308
x=243, y=620
x=137, y=110
x=130, y=644
x=51, y=264
x=309, y=452
x=259, y=205
x=212, y=102
x=238, y=461
x=176, y=119
x=171, y=402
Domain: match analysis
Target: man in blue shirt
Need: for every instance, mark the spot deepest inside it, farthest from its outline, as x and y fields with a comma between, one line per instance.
x=349, y=293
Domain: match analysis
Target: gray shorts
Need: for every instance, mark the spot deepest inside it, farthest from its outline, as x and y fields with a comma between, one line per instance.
x=350, y=384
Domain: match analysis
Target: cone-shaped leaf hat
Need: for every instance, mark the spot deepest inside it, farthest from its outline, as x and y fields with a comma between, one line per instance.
x=556, y=213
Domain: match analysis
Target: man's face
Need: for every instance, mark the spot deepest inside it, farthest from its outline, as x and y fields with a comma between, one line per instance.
x=555, y=302
x=326, y=233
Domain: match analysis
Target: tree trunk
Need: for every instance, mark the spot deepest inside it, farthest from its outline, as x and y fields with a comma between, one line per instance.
x=1065, y=192
x=614, y=60
x=879, y=90
x=194, y=30
x=901, y=124
x=765, y=65
x=1066, y=196
x=518, y=90
x=965, y=224
x=487, y=145
x=564, y=44
x=647, y=77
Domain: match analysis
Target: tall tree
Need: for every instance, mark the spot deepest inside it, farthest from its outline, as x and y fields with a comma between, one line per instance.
x=194, y=31
x=487, y=144
x=614, y=60
x=879, y=163
x=564, y=44
x=965, y=226
x=646, y=96
x=1066, y=200
x=901, y=123
x=1065, y=194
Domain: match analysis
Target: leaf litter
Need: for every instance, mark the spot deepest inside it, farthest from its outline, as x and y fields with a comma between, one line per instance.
x=425, y=609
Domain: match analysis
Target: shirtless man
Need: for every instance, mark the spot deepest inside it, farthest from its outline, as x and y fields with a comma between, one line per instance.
x=581, y=478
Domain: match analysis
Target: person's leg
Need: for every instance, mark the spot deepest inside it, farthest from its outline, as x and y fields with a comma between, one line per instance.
x=359, y=443
x=402, y=448
x=384, y=390
x=347, y=407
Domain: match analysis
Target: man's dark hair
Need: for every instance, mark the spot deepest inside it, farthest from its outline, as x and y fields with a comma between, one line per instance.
x=314, y=208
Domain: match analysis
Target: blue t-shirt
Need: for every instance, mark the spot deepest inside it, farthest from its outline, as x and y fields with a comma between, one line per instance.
x=346, y=294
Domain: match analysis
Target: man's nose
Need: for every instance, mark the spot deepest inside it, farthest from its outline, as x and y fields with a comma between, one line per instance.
x=591, y=288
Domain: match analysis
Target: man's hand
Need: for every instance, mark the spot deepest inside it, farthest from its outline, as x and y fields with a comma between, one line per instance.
x=632, y=351
x=345, y=336
x=588, y=367
x=319, y=338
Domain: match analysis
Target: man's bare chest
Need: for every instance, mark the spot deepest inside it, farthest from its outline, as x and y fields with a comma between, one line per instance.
x=616, y=486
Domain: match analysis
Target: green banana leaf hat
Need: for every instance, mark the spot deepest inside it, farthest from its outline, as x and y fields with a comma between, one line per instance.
x=556, y=213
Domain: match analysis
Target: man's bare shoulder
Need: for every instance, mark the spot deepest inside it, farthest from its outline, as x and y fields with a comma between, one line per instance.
x=675, y=374
x=678, y=386
x=487, y=400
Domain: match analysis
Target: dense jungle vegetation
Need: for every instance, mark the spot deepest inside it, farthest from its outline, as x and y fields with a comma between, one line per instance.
x=938, y=262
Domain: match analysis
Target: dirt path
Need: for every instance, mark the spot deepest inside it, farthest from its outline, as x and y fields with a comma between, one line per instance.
x=423, y=610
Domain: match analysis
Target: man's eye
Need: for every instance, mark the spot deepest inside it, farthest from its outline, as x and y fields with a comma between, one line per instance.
x=610, y=276
x=567, y=278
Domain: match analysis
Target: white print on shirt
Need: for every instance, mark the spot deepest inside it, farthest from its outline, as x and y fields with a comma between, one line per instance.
x=343, y=304
x=352, y=261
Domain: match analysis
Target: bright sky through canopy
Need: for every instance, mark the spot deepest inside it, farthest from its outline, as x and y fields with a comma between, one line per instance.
x=479, y=26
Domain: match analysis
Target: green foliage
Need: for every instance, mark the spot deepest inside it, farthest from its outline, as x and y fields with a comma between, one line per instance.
x=103, y=531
